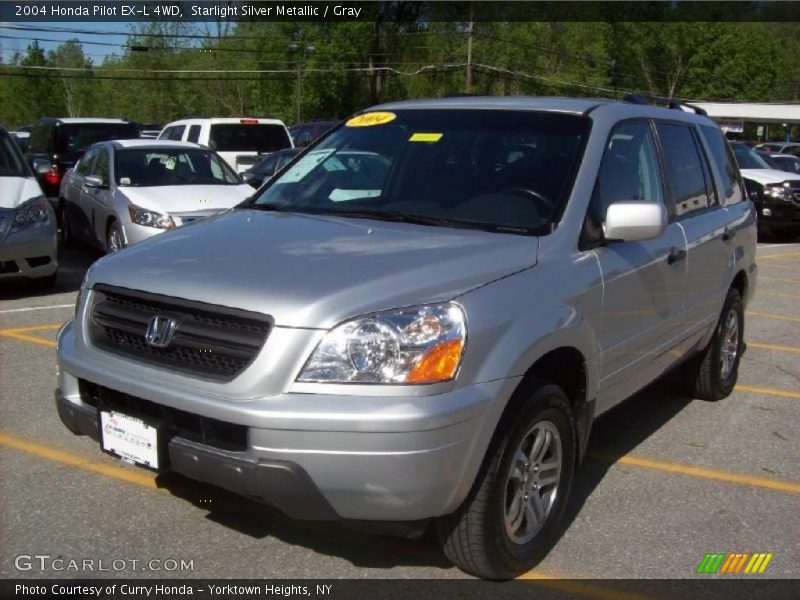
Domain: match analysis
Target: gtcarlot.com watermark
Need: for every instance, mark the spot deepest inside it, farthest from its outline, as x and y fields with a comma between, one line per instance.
x=49, y=563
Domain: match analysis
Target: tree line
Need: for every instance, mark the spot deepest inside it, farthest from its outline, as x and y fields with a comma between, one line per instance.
x=166, y=71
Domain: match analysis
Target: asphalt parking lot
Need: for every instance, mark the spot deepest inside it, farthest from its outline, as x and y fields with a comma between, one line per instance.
x=669, y=478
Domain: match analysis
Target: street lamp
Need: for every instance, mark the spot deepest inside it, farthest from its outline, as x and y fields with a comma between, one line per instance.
x=294, y=48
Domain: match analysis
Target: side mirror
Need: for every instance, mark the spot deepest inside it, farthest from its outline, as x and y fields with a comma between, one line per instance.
x=94, y=181
x=635, y=221
x=42, y=166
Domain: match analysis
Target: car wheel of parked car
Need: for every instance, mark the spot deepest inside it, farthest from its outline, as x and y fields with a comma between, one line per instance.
x=115, y=241
x=65, y=235
x=511, y=516
x=712, y=374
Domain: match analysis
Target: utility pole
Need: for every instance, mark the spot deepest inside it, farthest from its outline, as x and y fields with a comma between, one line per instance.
x=301, y=53
x=468, y=86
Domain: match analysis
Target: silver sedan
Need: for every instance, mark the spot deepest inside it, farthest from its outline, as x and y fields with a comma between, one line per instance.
x=122, y=192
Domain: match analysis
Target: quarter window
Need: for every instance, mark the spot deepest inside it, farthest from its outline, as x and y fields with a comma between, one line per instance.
x=685, y=171
x=629, y=170
x=726, y=164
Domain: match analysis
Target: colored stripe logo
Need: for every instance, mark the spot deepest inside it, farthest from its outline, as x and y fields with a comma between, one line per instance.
x=734, y=563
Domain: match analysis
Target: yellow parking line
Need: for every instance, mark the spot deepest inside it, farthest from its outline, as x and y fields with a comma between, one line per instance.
x=703, y=473
x=138, y=477
x=772, y=265
x=21, y=333
x=779, y=279
x=587, y=590
x=754, y=389
x=778, y=255
x=778, y=347
x=757, y=313
x=777, y=294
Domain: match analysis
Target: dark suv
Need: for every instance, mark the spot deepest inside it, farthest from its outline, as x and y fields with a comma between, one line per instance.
x=62, y=142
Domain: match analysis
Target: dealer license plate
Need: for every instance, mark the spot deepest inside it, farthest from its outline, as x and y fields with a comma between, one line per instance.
x=131, y=439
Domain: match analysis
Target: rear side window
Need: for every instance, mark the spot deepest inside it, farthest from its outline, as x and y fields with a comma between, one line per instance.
x=629, y=170
x=40, y=139
x=194, y=134
x=726, y=164
x=175, y=133
x=685, y=170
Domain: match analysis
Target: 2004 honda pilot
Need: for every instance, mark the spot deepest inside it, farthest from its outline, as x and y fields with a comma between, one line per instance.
x=421, y=315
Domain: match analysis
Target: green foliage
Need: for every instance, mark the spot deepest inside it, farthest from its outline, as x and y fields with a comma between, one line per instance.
x=332, y=69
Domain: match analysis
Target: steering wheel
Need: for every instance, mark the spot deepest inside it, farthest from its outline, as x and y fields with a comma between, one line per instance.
x=530, y=194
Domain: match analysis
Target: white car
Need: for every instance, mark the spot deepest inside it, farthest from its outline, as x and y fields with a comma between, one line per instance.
x=28, y=243
x=124, y=191
x=240, y=141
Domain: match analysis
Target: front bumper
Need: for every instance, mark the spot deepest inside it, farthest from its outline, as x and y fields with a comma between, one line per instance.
x=30, y=253
x=780, y=214
x=314, y=456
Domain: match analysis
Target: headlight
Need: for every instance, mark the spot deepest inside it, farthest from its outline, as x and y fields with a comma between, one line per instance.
x=149, y=218
x=779, y=191
x=422, y=344
x=32, y=213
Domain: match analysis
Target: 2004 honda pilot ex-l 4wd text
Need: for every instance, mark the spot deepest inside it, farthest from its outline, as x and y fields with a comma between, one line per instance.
x=420, y=316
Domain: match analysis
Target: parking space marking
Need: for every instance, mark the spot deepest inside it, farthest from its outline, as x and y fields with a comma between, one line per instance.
x=587, y=590
x=21, y=334
x=31, y=308
x=758, y=313
x=73, y=460
x=778, y=279
x=780, y=265
x=754, y=389
x=701, y=472
x=778, y=347
x=777, y=294
x=778, y=255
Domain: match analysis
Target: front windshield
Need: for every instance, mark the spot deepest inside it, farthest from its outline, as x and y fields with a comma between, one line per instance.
x=747, y=158
x=11, y=162
x=502, y=170
x=151, y=167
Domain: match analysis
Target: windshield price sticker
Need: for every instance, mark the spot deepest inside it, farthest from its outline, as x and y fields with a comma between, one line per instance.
x=425, y=137
x=371, y=119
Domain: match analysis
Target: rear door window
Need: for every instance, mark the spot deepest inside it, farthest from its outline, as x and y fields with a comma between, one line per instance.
x=175, y=133
x=686, y=173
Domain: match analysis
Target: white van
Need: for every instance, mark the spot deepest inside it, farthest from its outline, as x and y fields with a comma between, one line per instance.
x=239, y=141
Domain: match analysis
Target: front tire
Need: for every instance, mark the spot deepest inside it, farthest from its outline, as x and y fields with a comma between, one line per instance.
x=115, y=240
x=712, y=374
x=511, y=517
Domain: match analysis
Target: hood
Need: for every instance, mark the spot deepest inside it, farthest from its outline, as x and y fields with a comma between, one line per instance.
x=186, y=198
x=16, y=190
x=765, y=176
x=314, y=271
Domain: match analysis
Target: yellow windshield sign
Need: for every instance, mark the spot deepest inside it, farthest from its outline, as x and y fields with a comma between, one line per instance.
x=425, y=137
x=371, y=119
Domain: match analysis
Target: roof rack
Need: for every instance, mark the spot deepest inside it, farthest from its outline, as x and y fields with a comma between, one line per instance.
x=673, y=103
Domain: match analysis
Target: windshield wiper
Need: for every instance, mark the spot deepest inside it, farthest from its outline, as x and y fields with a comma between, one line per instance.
x=429, y=220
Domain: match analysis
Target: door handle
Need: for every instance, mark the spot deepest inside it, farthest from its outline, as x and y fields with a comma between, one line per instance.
x=675, y=255
x=728, y=234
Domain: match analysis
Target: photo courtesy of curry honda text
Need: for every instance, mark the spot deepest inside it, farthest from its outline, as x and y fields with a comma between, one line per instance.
x=417, y=320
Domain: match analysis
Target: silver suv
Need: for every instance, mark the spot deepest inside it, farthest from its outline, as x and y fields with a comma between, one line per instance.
x=420, y=317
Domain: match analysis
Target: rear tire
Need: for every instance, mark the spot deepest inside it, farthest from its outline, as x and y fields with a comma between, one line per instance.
x=511, y=517
x=712, y=374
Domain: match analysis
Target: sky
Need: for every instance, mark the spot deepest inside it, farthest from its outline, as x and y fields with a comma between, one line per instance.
x=14, y=40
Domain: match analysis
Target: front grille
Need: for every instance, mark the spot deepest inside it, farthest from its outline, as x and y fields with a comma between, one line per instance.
x=210, y=342
x=203, y=430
